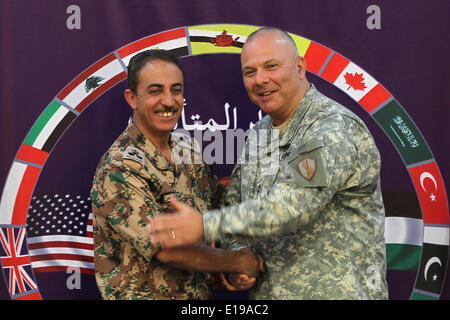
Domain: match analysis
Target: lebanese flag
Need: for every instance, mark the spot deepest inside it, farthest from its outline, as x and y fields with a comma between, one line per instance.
x=431, y=192
x=355, y=82
x=93, y=82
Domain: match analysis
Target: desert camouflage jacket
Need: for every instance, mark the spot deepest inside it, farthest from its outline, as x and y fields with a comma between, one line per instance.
x=134, y=182
x=309, y=200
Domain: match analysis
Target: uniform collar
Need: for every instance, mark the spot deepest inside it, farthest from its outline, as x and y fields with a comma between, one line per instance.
x=293, y=125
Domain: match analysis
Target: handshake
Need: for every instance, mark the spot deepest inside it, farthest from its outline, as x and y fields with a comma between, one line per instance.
x=254, y=264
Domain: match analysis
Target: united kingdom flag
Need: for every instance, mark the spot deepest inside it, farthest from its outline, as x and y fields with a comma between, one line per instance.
x=16, y=264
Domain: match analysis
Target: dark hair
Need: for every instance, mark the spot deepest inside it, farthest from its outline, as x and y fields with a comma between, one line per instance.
x=138, y=62
x=273, y=29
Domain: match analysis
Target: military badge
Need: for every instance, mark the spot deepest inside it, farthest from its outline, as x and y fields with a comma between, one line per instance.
x=307, y=168
x=134, y=154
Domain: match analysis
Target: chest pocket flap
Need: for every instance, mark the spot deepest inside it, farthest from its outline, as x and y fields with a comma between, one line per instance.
x=307, y=164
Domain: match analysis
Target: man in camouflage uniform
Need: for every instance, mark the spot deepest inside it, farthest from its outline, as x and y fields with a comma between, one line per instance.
x=311, y=203
x=135, y=180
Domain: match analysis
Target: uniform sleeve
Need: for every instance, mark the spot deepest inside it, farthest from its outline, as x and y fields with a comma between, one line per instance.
x=233, y=194
x=122, y=205
x=290, y=205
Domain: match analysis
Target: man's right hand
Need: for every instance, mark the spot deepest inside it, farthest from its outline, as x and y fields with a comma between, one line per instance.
x=254, y=265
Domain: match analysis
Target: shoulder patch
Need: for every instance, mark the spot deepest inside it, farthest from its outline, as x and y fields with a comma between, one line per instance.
x=133, y=153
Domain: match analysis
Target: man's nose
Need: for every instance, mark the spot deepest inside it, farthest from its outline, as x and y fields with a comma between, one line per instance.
x=168, y=99
x=261, y=77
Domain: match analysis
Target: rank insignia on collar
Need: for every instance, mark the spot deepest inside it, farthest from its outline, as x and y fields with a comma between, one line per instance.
x=307, y=168
x=132, y=153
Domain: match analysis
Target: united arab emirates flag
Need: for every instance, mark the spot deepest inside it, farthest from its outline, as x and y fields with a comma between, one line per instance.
x=30, y=159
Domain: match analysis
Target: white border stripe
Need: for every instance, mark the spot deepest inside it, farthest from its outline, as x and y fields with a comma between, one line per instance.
x=436, y=235
x=63, y=250
x=402, y=230
x=10, y=192
x=60, y=238
x=62, y=263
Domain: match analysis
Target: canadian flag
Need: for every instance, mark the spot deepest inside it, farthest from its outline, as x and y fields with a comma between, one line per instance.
x=355, y=82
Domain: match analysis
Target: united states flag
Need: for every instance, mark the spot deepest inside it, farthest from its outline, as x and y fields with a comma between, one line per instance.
x=60, y=233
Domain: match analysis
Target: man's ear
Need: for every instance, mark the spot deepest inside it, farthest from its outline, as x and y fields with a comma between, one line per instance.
x=301, y=65
x=131, y=98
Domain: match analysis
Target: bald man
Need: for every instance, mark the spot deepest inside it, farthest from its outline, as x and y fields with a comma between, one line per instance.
x=315, y=211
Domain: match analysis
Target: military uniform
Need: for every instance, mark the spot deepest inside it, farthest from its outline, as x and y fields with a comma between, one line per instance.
x=132, y=183
x=315, y=212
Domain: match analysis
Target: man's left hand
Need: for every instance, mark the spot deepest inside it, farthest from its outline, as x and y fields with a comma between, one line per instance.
x=178, y=229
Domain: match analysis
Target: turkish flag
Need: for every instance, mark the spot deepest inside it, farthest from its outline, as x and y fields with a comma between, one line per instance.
x=431, y=192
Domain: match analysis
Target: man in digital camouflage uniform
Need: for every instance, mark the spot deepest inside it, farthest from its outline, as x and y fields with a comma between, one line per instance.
x=315, y=213
x=135, y=180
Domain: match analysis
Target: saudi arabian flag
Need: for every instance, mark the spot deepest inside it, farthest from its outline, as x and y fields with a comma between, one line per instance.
x=403, y=133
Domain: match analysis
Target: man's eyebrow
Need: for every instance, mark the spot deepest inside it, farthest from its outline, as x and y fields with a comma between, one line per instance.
x=264, y=63
x=158, y=85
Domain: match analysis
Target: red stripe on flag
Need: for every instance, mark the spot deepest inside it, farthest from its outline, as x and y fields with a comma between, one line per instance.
x=61, y=256
x=151, y=41
x=315, y=57
x=100, y=90
x=374, y=98
x=24, y=195
x=83, y=76
x=31, y=154
x=31, y=296
x=431, y=192
x=334, y=68
x=14, y=261
x=60, y=244
x=61, y=269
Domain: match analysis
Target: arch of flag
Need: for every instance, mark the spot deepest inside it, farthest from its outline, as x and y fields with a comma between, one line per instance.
x=412, y=243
